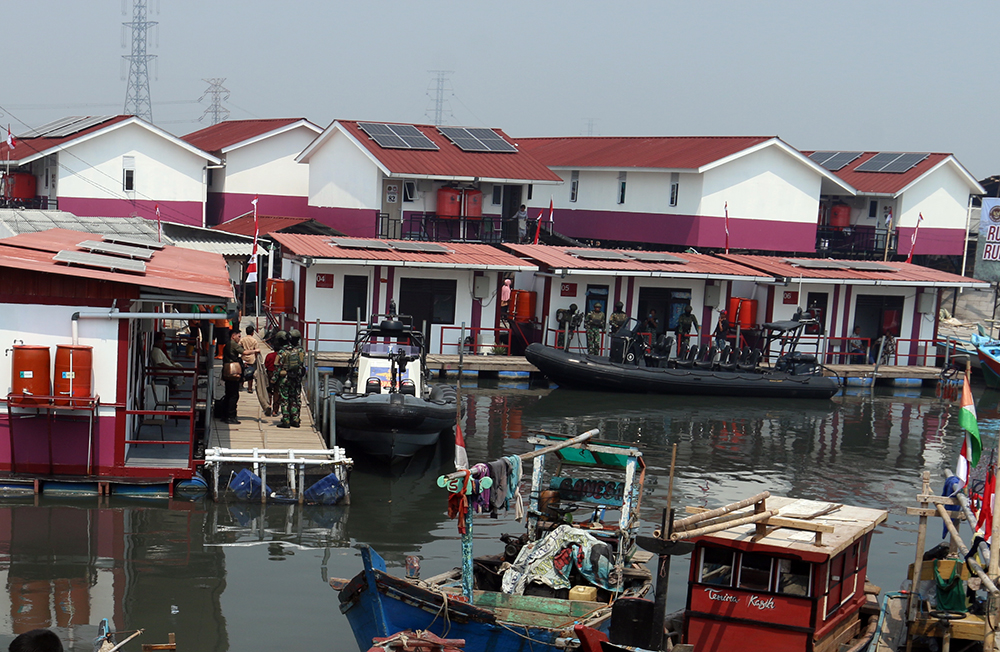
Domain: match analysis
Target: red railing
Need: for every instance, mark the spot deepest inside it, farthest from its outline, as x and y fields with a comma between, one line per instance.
x=309, y=333
x=497, y=347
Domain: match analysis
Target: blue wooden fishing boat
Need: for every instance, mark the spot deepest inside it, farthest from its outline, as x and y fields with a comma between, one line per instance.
x=495, y=611
x=988, y=352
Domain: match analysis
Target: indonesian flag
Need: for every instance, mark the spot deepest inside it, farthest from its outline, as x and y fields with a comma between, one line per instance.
x=158, y=231
x=726, y=209
x=252, y=265
x=538, y=227
x=913, y=238
x=888, y=218
x=11, y=141
x=972, y=446
x=461, y=457
x=985, y=520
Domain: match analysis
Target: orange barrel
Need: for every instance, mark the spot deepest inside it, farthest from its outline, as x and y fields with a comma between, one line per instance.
x=30, y=373
x=473, y=203
x=280, y=295
x=840, y=215
x=748, y=313
x=524, y=306
x=734, y=310
x=449, y=202
x=74, y=366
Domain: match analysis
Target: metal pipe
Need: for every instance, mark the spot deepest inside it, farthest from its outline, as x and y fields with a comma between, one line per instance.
x=953, y=531
x=117, y=314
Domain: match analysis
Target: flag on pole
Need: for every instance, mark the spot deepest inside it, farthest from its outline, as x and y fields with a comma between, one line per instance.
x=461, y=457
x=726, y=208
x=538, y=227
x=985, y=519
x=913, y=238
x=252, y=265
x=11, y=141
x=888, y=217
x=972, y=446
x=159, y=232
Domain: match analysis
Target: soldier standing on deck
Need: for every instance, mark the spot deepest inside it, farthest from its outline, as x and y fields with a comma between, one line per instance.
x=684, y=324
x=595, y=324
x=618, y=318
x=289, y=367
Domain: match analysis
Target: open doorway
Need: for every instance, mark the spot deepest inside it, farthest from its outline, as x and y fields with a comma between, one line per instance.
x=668, y=304
x=511, y=204
x=877, y=315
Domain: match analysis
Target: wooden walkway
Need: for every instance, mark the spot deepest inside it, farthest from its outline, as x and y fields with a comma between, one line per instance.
x=887, y=372
x=441, y=363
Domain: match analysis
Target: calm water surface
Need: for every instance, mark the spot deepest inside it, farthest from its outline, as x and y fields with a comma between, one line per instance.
x=236, y=577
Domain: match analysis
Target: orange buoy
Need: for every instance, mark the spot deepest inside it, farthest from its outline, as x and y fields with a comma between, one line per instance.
x=74, y=367
x=30, y=373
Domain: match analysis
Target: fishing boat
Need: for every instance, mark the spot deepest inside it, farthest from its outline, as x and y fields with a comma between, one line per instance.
x=988, y=354
x=559, y=575
x=388, y=408
x=634, y=367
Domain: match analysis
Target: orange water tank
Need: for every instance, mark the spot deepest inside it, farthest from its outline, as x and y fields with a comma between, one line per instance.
x=19, y=185
x=74, y=370
x=280, y=295
x=733, y=313
x=473, y=203
x=840, y=215
x=748, y=313
x=449, y=202
x=524, y=305
x=30, y=373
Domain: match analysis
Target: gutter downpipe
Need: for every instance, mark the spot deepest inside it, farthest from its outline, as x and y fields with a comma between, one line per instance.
x=116, y=314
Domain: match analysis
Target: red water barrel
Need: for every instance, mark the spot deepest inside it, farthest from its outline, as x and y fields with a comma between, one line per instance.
x=19, y=185
x=74, y=370
x=473, y=203
x=840, y=215
x=748, y=313
x=733, y=314
x=449, y=202
x=524, y=305
x=30, y=373
x=280, y=295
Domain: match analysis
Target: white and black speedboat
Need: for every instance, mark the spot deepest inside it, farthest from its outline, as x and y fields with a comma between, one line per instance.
x=637, y=368
x=387, y=408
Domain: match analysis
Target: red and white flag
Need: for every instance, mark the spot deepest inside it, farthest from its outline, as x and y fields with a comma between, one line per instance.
x=461, y=457
x=252, y=265
x=159, y=232
x=726, y=209
x=538, y=227
x=11, y=141
x=985, y=521
x=913, y=238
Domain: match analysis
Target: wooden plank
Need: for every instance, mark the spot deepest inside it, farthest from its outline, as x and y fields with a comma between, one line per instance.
x=970, y=628
x=945, y=567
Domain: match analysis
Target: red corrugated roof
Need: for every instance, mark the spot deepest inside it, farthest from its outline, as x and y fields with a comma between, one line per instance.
x=217, y=137
x=449, y=161
x=701, y=264
x=887, y=183
x=674, y=152
x=266, y=223
x=463, y=255
x=909, y=274
x=26, y=146
x=171, y=268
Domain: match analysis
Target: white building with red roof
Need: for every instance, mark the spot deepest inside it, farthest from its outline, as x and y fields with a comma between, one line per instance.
x=892, y=191
x=420, y=181
x=258, y=160
x=677, y=191
x=107, y=166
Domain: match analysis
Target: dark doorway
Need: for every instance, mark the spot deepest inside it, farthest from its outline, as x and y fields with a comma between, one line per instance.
x=668, y=304
x=511, y=204
x=816, y=304
x=877, y=315
x=597, y=294
x=427, y=300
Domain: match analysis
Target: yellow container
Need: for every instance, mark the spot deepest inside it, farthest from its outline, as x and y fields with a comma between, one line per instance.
x=583, y=593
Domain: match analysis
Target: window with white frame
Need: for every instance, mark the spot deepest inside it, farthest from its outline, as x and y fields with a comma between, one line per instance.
x=675, y=186
x=621, y=187
x=531, y=188
x=574, y=185
x=497, y=195
x=128, y=173
x=409, y=191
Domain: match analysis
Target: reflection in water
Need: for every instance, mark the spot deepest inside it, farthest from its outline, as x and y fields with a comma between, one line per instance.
x=246, y=577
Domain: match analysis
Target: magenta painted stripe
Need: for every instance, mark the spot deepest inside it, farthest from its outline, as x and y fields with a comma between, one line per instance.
x=361, y=222
x=941, y=242
x=687, y=230
x=182, y=212
x=224, y=206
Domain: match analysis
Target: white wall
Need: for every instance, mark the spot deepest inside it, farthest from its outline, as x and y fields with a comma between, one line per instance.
x=942, y=197
x=52, y=325
x=768, y=184
x=342, y=176
x=163, y=170
x=268, y=166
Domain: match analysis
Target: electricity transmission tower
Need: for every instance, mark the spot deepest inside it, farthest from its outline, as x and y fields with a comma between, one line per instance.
x=219, y=94
x=439, y=111
x=137, y=100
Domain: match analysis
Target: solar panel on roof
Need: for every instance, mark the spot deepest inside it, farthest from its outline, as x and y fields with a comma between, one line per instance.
x=422, y=247
x=839, y=160
x=810, y=263
x=868, y=266
x=353, y=243
x=112, y=263
x=877, y=162
x=476, y=140
x=137, y=242
x=821, y=157
x=49, y=126
x=80, y=125
x=116, y=249
x=655, y=257
x=397, y=136
x=904, y=163
x=597, y=254
x=492, y=139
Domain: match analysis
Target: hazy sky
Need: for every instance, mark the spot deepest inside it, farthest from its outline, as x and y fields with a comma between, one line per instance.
x=838, y=75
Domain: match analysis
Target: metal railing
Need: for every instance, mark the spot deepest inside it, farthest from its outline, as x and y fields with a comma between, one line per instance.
x=474, y=344
x=860, y=241
x=432, y=227
x=313, y=331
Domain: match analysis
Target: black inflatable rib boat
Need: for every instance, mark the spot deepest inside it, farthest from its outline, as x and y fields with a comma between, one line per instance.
x=635, y=368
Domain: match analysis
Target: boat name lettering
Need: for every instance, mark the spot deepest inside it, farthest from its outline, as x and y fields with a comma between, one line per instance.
x=578, y=488
x=760, y=603
x=721, y=597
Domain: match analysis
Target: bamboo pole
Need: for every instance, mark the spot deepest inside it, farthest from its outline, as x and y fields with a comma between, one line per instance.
x=957, y=538
x=994, y=570
x=579, y=439
x=725, y=509
x=911, y=603
x=746, y=520
x=983, y=548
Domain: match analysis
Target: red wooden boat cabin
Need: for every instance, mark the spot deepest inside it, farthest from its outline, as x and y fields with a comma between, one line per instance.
x=794, y=582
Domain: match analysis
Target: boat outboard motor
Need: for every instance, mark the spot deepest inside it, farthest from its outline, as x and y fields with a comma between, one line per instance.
x=797, y=364
x=569, y=320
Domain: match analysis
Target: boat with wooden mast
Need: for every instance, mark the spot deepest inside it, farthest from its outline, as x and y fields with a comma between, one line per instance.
x=473, y=602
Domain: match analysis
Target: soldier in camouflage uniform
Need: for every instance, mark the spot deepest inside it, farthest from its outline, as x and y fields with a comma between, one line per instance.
x=289, y=367
x=618, y=318
x=684, y=324
x=595, y=324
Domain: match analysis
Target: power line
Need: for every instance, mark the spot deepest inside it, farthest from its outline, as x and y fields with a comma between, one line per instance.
x=137, y=100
